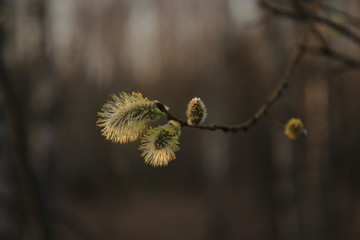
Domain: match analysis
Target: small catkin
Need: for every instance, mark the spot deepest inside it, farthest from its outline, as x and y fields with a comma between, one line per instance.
x=196, y=112
x=294, y=128
x=159, y=144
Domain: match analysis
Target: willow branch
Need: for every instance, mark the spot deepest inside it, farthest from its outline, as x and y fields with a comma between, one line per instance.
x=273, y=97
x=301, y=15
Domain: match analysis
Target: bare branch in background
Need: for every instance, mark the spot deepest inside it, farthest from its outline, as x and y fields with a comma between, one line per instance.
x=334, y=55
x=352, y=20
x=299, y=16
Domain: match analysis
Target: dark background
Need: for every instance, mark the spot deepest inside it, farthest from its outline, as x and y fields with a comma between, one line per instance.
x=63, y=60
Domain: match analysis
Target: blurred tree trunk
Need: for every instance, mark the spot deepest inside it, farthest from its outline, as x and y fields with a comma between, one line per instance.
x=27, y=66
x=284, y=188
x=316, y=156
x=215, y=145
x=215, y=160
x=285, y=206
x=42, y=103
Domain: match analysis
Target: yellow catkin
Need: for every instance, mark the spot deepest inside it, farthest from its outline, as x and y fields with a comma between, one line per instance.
x=126, y=117
x=160, y=144
x=293, y=128
x=196, y=112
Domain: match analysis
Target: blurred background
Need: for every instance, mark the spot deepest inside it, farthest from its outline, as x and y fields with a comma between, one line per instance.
x=63, y=59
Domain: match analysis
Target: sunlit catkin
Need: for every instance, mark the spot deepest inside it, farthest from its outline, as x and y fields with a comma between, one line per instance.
x=126, y=117
x=196, y=112
x=160, y=144
x=293, y=128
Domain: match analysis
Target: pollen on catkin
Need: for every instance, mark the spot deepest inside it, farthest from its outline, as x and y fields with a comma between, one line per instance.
x=126, y=117
x=293, y=128
x=196, y=112
x=160, y=144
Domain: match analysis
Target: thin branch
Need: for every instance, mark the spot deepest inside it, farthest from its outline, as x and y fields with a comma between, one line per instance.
x=288, y=13
x=332, y=54
x=319, y=36
x=308, y=17
x=325, y=50
x=355, y=21
x=280, y=11
x=262, y=111
x=346, y=32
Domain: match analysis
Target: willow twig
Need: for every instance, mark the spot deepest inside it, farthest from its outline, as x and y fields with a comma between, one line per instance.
x=273, y=97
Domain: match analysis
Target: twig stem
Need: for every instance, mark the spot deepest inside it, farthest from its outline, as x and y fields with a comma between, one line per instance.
x=295, y=57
